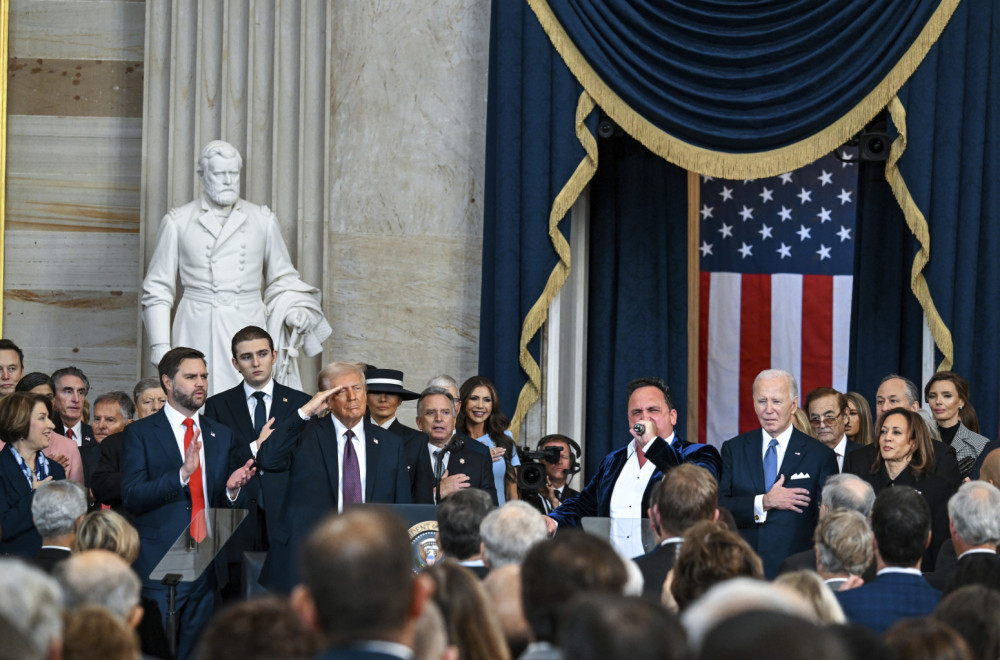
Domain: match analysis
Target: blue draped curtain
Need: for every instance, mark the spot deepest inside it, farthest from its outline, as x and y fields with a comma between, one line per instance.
x=744, y=89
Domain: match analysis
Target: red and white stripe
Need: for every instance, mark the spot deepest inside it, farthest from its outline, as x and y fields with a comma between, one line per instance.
x=748, y=323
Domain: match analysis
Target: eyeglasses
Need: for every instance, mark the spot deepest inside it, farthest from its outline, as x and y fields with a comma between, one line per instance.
x=829, y=420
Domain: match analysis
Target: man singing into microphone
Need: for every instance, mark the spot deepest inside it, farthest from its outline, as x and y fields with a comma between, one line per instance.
x=458, y=465
x=624, y=480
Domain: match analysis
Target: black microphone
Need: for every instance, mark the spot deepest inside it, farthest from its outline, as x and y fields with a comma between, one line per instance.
x=455, y=444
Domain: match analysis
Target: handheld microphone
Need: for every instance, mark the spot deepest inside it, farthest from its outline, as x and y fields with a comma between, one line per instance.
x=455, y=444
x=639, y=428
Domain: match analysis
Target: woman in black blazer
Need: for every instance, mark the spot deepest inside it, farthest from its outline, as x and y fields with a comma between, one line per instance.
x=906, y=458
x=25, y=427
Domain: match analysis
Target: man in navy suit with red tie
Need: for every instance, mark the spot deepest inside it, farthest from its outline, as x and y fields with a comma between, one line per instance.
x=772, y=476
x=175, y=465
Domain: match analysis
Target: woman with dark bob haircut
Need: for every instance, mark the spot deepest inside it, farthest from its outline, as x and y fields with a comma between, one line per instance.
x=25, y=427
x=906, y=458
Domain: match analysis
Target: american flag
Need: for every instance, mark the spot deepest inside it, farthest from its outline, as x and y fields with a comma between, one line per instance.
x=777, y=257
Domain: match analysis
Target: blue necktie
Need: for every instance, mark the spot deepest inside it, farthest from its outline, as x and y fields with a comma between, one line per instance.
x=259, y=413
x=770, y=465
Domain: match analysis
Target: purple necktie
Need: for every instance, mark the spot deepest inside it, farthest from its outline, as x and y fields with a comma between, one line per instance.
x=352, y=473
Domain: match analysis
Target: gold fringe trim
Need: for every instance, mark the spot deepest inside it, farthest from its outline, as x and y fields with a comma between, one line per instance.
x=917, y=223
x=750, y=165
x=539, y=312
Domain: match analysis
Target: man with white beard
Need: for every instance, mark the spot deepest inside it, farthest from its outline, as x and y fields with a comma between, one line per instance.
x=235, y=270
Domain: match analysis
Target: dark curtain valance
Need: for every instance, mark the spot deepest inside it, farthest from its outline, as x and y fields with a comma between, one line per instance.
x=739, y=88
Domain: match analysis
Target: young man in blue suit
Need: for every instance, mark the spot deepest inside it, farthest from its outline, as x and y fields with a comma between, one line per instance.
x=323, y=474
x=625, y=479
x=772, y=476
x=175, y=465
x=901, y=523
x=246, y=410
x=358, y=588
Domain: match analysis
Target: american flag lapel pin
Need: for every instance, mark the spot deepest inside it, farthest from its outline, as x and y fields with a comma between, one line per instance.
x=462, y=461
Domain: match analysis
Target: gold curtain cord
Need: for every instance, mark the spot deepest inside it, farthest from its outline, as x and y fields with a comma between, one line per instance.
x=539, y=312
x=917, y=223
x=748, y=165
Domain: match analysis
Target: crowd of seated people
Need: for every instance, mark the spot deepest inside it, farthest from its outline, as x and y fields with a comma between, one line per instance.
x=827, y=532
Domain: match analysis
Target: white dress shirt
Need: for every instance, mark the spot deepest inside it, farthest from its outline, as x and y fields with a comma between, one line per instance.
x=359, y=451
x=176, y=420
x=759, y=514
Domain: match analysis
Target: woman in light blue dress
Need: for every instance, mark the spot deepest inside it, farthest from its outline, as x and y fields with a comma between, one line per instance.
x=480, y=418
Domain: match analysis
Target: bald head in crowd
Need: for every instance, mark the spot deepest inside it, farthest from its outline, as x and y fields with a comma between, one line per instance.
x=357, y=579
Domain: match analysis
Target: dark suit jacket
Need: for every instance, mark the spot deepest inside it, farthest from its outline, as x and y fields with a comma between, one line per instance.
x=47, y=558
x=945, y=462
x=887, y=599
x=977, y=468
x=230, y=408
x=783, y=532
x=468, y=460
x=534, y=498
x=90, y=449
x=406, y=434
x=939, y=578
x=310, y=457
x=151, y=486
x=655, y=565
x=935, y=490
x=16, y=524
x=595, y=498
x=106, y=480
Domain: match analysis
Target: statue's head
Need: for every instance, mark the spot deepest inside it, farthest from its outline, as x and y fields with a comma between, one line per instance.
x=219, y=168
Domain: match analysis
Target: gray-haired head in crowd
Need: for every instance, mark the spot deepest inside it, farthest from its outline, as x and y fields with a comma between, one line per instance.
x=848, y=491
x=32, y=602
x=100, y=577
x=975, y=515
x=509, y=532
x=843, y=540
x=57, y=508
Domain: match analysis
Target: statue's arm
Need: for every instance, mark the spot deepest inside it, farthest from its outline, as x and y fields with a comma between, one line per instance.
x=159, y=288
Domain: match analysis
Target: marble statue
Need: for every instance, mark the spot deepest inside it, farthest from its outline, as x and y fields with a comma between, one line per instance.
x=234, y=271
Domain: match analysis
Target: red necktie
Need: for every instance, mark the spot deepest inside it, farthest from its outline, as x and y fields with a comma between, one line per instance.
x=69, y=433
x=194, y=485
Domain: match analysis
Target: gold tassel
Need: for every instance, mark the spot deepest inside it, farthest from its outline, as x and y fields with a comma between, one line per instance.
x=746, y=165
x=539, y=312
x=917, y=223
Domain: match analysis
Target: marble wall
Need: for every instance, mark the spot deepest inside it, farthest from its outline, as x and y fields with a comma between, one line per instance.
x=404, y=245
x=71, y=242
x=400, y=250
